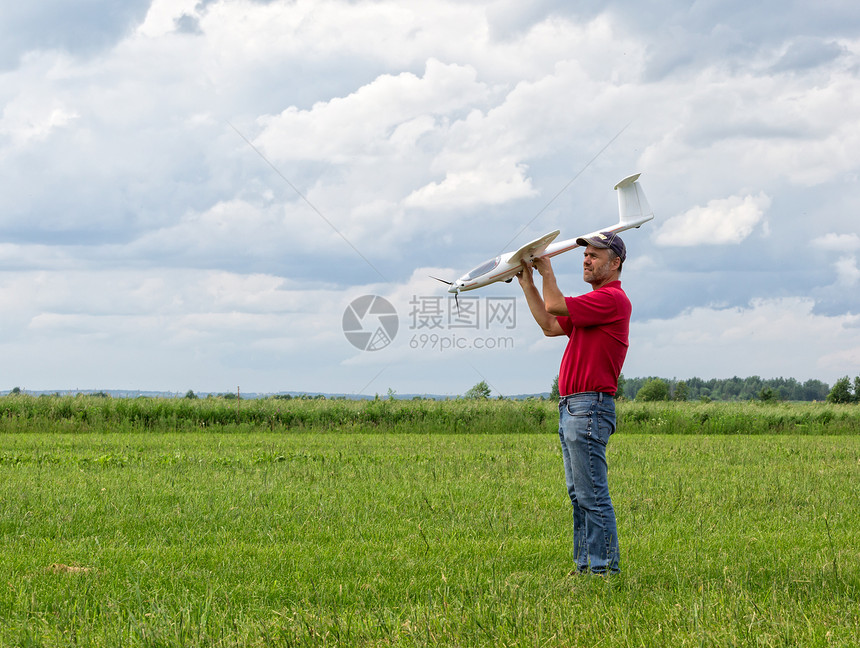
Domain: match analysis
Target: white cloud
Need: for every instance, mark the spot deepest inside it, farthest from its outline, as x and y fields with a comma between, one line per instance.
x=389, y=32
x=723, y=221
x=236, y=229
x=489, y=184
x=33, y=119
x=722, y=122
x=197, y=323
x=847, y=273
x=837, y=242
x=163, y=15
x=362, y=125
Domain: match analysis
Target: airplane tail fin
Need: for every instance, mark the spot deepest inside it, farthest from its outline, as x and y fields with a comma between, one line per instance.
x=632, y=204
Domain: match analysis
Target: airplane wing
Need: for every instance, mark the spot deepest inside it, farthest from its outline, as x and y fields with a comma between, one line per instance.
x=532, y=250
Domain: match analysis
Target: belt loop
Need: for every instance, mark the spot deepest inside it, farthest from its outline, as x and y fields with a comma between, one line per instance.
x=599, y=397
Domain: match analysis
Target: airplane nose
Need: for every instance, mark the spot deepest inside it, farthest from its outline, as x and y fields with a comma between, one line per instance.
x=454, y=288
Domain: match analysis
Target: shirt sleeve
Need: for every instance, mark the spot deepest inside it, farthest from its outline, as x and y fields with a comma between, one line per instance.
x=592, y=309
x=566, y=324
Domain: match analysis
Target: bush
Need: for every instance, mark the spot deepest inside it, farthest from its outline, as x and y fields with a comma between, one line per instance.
x=767, y=395
x=479, y=391
x=654, y=389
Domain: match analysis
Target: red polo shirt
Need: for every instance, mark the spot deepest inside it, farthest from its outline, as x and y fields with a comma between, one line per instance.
x=597, y=327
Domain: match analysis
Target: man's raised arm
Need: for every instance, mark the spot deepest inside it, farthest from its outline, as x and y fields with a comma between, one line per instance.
x=547, y=321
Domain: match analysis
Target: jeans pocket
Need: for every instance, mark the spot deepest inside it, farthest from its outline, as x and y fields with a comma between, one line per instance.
x=577, y=410
x=578, y=423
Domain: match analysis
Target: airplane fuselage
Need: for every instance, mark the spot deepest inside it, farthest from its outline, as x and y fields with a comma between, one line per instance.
x=633, y=211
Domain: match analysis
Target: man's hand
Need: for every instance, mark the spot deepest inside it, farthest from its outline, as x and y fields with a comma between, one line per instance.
x=543, y=266
x=547, y=322
x=524, y=276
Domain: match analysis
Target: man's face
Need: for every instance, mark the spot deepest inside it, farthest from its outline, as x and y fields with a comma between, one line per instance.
x=597, y=269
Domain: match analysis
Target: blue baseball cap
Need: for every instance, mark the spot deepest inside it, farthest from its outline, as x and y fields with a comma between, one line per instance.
x=606, y=240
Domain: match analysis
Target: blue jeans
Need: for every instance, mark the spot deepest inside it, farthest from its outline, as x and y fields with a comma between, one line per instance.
x=586, y=421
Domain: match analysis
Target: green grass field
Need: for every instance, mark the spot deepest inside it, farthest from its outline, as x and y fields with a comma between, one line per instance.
x=399, y=529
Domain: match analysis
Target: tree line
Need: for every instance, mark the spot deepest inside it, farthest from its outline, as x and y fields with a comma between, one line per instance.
x=727, y=389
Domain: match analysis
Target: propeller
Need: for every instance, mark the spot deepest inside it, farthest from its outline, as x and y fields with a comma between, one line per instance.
x=455, y=290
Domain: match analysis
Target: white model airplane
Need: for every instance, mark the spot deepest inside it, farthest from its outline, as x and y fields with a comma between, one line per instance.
x=633, y=211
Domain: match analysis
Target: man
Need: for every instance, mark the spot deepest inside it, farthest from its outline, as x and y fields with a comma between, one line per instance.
x=597, y=325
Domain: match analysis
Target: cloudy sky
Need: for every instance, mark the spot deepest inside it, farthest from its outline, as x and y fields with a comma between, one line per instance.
x=193, y=194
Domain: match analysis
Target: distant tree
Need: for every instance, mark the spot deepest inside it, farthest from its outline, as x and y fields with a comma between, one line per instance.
x=752, y=388
x=841, y=392
x=479, y=391
x=813, y=390
x=16, y=391
x=554, y=394
x=190, y=395
x=681, y=393
x=857, y=389
x=655, y=389
x=632, y=386
x=784, y=388
x=619, y=393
